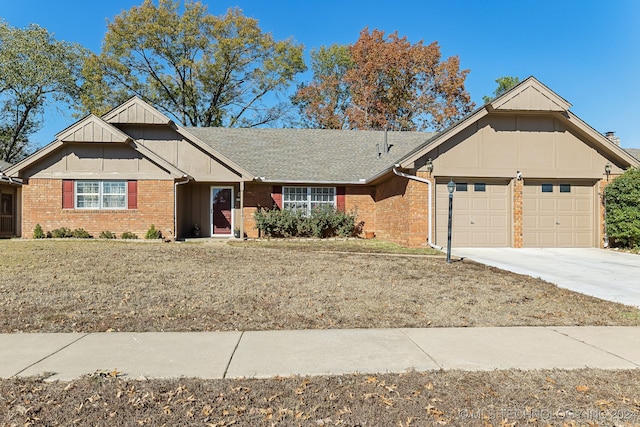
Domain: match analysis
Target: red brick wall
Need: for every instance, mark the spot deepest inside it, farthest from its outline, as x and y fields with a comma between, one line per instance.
x=517, y=213
x=392, y=210
x=42, y=204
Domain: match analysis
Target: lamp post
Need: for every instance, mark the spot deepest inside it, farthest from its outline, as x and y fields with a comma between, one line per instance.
x=451, y=186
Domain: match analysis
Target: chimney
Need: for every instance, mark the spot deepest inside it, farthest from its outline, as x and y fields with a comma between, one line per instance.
x=611, y=136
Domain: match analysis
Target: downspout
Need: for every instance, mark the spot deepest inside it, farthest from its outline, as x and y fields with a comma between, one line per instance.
x=175, y=204
x=429, y=203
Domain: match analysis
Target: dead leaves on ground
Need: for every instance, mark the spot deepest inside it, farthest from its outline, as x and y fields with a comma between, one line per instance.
x=489, y=399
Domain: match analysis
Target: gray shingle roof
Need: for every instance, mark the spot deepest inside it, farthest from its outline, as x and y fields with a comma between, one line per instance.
x=635, y=152
x=311, y=155
x=4, y=165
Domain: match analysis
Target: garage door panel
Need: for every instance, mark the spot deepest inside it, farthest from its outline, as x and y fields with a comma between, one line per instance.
x=480, y=218
x=558, y=218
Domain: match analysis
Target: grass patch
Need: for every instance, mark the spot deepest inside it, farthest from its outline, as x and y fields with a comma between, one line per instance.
x=338, y=245
x=102, y=284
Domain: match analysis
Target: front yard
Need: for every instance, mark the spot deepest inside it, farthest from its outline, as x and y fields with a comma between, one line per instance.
x=91, y=286
x=55, y=286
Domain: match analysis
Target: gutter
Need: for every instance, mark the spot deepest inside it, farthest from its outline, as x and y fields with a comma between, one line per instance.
x=429, y=203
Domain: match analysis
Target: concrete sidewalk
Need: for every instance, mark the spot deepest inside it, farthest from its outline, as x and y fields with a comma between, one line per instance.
x=317, y=352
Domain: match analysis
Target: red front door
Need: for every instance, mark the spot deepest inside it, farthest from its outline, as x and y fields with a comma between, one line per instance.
x=221, y=199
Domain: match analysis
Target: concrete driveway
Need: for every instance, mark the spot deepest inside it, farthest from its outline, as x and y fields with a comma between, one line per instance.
x=605, y=274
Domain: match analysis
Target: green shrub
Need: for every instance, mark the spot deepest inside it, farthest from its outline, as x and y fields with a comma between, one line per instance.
x=107, y=235
x=61, y=233
x=622, y=198
x=38, y=233
x=152, y=233
x=277, y=223
x=128, y=235
x=81, y=233
x=324, y=221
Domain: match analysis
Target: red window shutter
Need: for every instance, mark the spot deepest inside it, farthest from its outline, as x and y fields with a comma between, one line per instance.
x=340, y=196
x=132, y=194
x=276, y=195
x=67, y=194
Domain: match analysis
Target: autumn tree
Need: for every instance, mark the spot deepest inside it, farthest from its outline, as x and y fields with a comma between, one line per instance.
x=323, y=103
x=504, y=84
x=201, y=69
x=35, y=69
x=384, y=82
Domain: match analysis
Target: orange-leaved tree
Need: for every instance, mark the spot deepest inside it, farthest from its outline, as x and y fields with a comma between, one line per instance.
x=383, y=82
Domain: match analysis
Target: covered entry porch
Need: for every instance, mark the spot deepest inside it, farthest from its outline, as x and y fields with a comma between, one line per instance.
x=209, y=209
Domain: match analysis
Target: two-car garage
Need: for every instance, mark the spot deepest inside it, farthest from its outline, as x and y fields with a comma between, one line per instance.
x=553, y=213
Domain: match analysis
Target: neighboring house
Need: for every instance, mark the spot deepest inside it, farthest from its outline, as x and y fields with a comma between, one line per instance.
x=9, y=193
x=528, y=173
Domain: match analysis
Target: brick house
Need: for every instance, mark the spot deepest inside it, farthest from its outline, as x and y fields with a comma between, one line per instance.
x=527, y=173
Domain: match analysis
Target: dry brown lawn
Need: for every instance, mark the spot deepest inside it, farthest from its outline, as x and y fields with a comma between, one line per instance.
x=90, y=286
x=62, y=286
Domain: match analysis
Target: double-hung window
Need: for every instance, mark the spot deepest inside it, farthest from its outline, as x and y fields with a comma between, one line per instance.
x=101, y=195
x=305, y=199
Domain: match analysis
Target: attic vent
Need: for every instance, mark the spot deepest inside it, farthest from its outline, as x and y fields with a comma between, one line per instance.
x=611, y=136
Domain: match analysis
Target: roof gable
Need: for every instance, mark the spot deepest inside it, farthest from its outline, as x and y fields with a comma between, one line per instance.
x=92, y=129
x=530, y=95
x=136, y=111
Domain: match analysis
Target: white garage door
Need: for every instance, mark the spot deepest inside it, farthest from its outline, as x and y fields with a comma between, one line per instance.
x=558, y=215
x=481, y=213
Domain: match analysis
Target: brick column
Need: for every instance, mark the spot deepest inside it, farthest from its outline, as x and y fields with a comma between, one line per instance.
x=517, y=213
x=602, y=184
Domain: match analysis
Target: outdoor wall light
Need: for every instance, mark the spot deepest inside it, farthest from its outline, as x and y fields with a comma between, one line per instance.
x=607, y=170
x=429, y=165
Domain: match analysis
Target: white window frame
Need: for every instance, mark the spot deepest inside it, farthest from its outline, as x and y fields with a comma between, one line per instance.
x=306, y=198
x=101, y=194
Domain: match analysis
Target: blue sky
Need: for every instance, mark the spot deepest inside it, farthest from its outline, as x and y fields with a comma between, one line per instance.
x=586, y=51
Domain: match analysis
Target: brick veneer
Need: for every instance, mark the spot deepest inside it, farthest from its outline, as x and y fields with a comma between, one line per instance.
x=42, y=204
x=401, y=210
x=517, y=213
x=602, y=184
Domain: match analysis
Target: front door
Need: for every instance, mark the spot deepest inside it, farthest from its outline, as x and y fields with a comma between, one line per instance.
x=222, y=204
x=6, y=214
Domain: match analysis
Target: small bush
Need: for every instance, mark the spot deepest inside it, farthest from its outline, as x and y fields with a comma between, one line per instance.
x=61, y=233
x=38, y=233
x=152, y=233
x=128, y=235
x=81, y=233
x=107, y=235
x=324, y=221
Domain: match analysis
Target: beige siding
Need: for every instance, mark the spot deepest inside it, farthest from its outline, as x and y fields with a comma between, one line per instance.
x=185, y=155
x=95, y=161
x=499, y=145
